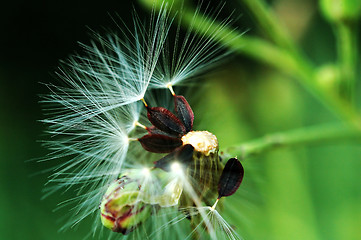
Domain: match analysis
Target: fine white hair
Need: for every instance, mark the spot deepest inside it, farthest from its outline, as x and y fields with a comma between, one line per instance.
x=92, y=114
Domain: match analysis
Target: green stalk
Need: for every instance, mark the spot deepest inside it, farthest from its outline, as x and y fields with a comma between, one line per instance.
x=347, y=54
x=269, y=23
x=321, y=134
x=346, y=33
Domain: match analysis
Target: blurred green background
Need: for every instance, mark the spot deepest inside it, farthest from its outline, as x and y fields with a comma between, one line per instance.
x=311, y=192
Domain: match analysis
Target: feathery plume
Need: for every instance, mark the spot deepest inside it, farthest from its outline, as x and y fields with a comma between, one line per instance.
x=106, y=138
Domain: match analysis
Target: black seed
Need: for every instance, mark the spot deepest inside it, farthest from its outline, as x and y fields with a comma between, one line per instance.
x=159, y=143
x=166, y=121
x=231, y=178
x=184, y=112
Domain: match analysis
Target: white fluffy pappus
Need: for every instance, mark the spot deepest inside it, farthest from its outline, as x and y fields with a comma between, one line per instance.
x=92, y=116
x=195, y=51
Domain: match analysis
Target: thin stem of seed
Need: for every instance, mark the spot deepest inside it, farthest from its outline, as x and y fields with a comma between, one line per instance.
x=170, y=87
x=321, y=134
x=145, y=103
x=214, y=205
x=136, y=123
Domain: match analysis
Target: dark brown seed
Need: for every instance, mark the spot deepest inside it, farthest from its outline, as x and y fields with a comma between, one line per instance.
x=166, y=121
x=158, y=143
x=154, y=130
x=231, y=178
x=183, y=154
x=184, y=112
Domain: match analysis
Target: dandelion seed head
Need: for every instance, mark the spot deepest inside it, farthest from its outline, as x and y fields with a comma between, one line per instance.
x=97, y=117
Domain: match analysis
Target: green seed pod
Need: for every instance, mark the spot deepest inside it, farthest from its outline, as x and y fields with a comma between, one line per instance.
x=341, y=10
x=121, y=208
x=131, y=199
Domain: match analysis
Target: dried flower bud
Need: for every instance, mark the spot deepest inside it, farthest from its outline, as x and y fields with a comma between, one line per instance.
x=205, y=168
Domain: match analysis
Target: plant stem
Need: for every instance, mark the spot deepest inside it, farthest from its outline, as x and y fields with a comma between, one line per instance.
x=269, y=23
x=347, y=44
x=320, y=134
x=346, y=33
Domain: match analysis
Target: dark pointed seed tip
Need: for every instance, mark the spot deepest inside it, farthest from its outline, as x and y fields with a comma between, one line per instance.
x=160, y=166
x=231, y=178
x=184, y=111
x=182, y=154
x=185, y=154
